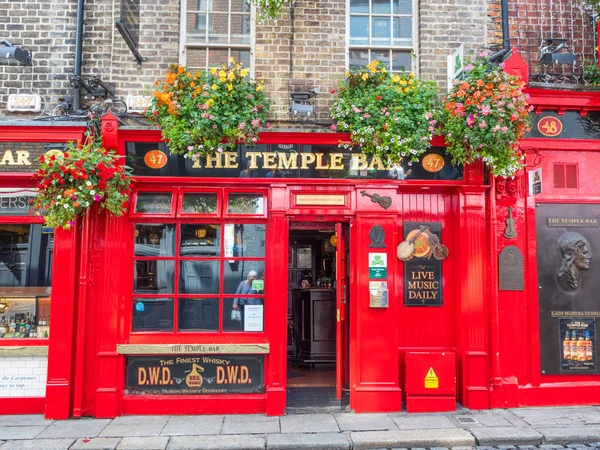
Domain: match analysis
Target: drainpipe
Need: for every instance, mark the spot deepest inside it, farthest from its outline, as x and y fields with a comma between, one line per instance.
x=78, y=53
x=498, y=56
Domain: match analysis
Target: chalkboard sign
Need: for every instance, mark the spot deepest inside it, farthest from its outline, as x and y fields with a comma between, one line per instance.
x=422, y=273
x=195, y=375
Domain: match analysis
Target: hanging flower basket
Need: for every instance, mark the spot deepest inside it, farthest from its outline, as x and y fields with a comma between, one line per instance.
x=71, y=182
x=392, y=116
x=485, y=115
x=209, y=111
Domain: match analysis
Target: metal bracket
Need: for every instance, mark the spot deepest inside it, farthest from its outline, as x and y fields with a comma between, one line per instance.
x=130, y=43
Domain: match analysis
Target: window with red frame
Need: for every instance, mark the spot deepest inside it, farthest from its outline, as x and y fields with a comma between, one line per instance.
x=202, y=269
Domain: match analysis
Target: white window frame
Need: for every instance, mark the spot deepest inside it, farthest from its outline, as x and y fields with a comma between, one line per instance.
x=412, y=49
x=183, y=46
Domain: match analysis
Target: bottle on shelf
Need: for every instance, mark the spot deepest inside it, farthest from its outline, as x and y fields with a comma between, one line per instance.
x=567, y=347
x=589, y=348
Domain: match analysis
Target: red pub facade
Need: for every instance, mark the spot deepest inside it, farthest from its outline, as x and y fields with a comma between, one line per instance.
x=142, y=306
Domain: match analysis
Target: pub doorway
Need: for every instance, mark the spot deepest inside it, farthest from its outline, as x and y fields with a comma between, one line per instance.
x=317, y=351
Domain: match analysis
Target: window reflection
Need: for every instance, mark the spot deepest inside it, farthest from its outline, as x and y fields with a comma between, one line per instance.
x=153, y=203
x=248, y=315
x=200, y=240
x=244, y=240
x=152, y=314
x=154, y=239
x=199, y=277
x=198, y=314
x=245, y=204
x=155, y=276
x=244, y=277
x=199, y=203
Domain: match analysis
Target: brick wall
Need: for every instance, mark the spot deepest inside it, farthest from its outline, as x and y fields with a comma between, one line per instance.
x=23, y=376
x=533, y=21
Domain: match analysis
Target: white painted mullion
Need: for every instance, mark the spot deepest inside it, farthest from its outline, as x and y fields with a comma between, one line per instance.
x=183, y=32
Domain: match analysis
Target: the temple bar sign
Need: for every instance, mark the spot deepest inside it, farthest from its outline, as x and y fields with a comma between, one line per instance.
x=15, y=158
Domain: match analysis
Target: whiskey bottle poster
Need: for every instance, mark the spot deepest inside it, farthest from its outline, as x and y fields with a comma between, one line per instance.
x=422, y=273
x=568, y=260
x=577, y=345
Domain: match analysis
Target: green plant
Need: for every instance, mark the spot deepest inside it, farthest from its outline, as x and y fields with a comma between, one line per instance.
x=69, y=183
x=267, y=9
x=485, y=115
x=392, y=116
x=209, y=111
x=591, y=74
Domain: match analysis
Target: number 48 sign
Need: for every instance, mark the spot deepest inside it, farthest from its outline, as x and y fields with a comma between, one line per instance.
x=550, y=126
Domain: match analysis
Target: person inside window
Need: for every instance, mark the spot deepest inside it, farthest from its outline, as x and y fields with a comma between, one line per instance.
x=249, y=172
x=245, y=287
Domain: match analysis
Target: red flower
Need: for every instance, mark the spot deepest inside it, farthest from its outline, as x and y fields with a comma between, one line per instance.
x=378, y=97
x=333, y=91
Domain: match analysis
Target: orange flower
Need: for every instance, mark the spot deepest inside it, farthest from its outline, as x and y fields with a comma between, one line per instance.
x=479, y=82
x=180, y=70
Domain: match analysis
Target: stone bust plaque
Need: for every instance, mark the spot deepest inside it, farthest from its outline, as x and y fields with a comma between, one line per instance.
x=510, y=268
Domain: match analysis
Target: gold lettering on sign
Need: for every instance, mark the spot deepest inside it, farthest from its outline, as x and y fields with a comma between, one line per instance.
x=336, y=161
x=288, y=161
x=306, y=158
x=320, y=165
x=253, y=156
x=583, y=222
x=22, y=158
x=231, y=160
x=269, y=160
x=213, y=159
x=359, y=162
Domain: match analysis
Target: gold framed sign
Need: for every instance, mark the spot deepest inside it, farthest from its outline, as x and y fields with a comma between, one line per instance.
x=321, y=199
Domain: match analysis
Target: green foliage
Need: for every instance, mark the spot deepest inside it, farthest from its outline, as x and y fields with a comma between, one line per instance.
x=485, y=115
x=70, y=183
x=209, y=111
x=591, y=74
x=387, y=115
x=267, y=9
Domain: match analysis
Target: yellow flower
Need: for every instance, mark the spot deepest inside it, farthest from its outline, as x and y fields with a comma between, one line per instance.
x=412, y=75
x=365, y=76
x=210, y=102
x=230, y=87
x=260, y=87
x=411, y=82
x=215, y=87
x=347, y=73
x=232, y=59
x=406, y=90
x=243, y=72
x=222, y=74
x=213, y=70
x=402, y=82
x=395, y=78
x=231, y=75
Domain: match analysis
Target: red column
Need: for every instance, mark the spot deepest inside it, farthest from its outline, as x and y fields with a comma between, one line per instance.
x=472, y=316
x=61, y=352
x=277, y=303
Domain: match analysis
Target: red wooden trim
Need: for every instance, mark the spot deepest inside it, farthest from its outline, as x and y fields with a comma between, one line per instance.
x=186, y=404
x=143, y=215
x=559, y=100
x=532, y=293
x=16, y=133
x=529, y=144
x=22, y=405
x=24, y=342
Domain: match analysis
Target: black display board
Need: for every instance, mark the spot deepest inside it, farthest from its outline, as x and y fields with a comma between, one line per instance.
x=571, y=125
x=195, y=374
x=568, y=243
x=279, y=161
x=422, y=274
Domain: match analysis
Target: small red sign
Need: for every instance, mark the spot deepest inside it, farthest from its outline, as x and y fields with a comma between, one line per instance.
x=155, y=159
x=550, y=126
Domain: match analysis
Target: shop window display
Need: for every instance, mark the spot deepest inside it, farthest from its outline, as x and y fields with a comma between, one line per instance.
x=25, y=279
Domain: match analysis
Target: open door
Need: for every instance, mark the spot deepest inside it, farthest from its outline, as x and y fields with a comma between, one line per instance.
x=341, y=302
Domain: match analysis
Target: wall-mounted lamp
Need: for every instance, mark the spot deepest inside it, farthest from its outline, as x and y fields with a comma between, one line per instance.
x=303, y=105
x=9, y=51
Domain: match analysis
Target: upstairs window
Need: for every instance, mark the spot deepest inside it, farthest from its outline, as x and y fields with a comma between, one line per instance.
x=213, y=31
x=381, y=30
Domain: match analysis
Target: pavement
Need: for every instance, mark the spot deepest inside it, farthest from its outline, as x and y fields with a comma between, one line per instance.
x=575, y=428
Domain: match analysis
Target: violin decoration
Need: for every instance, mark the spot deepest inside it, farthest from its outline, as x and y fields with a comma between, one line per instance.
x=510, y=232
x=384, y=202
x=424, y=248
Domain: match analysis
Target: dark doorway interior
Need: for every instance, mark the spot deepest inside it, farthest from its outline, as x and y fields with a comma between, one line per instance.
x=312, y=317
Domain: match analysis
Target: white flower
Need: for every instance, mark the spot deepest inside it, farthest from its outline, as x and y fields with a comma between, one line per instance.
x=92, y=192
x=58, y=197
x=88, y=183
x=87, y=203
x=66, y=206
